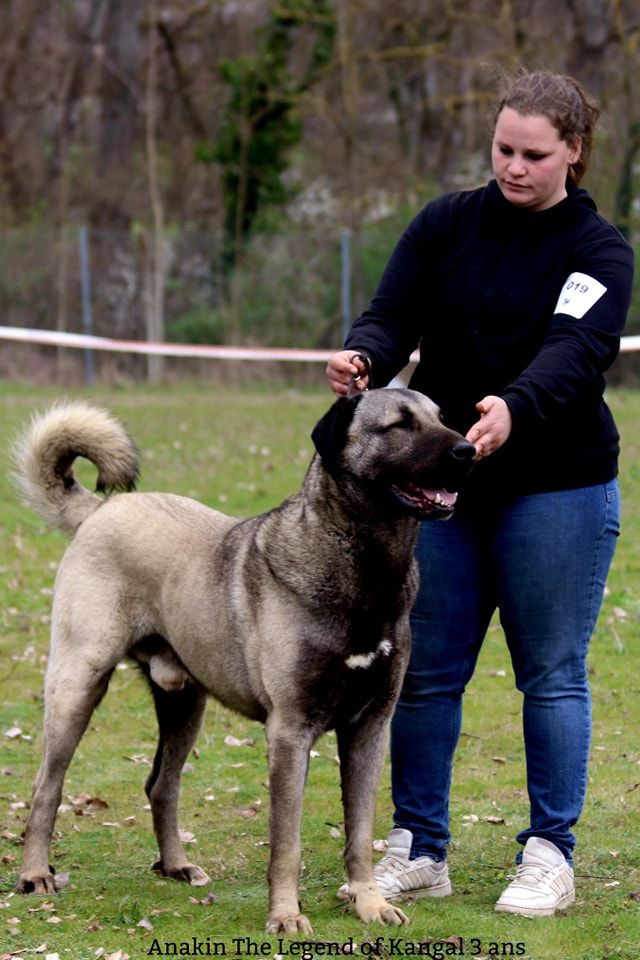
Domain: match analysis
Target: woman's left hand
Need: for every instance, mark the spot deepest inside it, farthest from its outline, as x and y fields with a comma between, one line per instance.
x=493, y=427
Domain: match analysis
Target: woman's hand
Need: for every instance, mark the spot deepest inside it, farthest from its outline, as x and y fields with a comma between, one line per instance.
x=493, y=427
x=342, y=367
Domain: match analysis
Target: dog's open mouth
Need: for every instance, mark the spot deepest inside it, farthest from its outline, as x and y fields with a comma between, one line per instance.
x=425, y=502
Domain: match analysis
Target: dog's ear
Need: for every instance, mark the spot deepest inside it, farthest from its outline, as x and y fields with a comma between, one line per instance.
x=330, y=433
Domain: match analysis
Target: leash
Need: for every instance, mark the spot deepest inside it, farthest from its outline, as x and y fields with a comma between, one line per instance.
x=351, y=390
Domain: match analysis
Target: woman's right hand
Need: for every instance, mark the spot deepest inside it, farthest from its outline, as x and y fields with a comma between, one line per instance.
x=342, y=367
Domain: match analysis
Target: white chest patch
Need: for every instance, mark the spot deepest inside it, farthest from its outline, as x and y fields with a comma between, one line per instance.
x=360, y=661
x=579, y=294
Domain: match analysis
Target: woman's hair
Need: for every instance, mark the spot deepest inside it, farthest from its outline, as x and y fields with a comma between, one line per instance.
x=563, y=100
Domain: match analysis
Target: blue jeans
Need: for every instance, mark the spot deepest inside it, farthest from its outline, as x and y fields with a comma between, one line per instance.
x=542, y=561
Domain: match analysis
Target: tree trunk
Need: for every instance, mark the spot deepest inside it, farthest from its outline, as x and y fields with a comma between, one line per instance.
x=155, y=273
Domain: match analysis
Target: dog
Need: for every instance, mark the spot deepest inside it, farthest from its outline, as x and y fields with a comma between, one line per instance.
x=297, y=617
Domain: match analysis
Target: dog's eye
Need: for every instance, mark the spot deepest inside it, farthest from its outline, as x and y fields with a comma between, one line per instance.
x=404, y=421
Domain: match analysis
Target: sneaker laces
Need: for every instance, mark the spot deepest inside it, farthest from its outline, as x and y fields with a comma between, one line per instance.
x=531, y=874
x=390, y=863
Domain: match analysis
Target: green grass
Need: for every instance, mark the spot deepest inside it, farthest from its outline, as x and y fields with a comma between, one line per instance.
x=244, y=452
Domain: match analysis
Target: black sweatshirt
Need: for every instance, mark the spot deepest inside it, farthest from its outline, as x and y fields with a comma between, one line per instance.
x=525, y=305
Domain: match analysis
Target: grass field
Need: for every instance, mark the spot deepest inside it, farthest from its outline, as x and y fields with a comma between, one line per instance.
x=243, y=452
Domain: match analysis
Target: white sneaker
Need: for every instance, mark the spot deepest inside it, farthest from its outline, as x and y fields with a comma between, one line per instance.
x=397, y=876
x=543, y=882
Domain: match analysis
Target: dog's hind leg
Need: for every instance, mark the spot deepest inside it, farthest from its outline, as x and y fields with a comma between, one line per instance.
x=180, y=715
x=71, y=695
x=361, y=747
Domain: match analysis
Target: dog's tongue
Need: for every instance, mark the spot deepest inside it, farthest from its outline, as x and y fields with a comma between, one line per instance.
x=438, y=498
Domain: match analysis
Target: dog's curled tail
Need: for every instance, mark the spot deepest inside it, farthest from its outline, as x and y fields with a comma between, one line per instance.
x=45, y=453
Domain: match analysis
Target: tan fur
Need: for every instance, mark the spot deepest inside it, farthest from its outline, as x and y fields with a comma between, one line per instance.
x=298, y=618
x=44, y=456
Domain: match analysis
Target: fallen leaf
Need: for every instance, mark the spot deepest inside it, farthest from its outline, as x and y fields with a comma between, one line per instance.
x=612, y=883
x=13, y=733
x=145, y=924
x=86, y=800
x=139, y=758
x=206, y=901
x=234, y=742
x=499, y=759
x=493, y=819
x=45, y=905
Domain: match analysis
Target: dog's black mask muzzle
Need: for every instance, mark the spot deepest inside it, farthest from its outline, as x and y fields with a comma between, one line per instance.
x=434, y=496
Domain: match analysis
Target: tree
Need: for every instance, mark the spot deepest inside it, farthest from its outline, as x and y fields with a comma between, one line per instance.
x=261, y=122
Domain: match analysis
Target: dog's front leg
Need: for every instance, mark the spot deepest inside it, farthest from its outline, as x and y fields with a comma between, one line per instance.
x=361, y=746
x=288, y=761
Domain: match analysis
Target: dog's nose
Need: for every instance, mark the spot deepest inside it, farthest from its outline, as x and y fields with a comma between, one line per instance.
x=463, y=450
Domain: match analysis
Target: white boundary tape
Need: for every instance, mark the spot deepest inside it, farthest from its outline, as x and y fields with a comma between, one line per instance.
x=84, y=342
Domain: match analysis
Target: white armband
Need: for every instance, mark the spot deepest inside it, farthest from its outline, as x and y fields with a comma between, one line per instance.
x=579, y=294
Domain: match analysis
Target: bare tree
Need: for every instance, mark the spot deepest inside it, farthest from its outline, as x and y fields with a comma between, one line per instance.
x=155, y=261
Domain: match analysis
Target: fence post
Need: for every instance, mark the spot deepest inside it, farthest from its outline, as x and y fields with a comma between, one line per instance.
x=85, y=284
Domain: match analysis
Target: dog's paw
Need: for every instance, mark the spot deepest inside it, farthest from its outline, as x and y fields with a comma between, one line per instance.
x=289, y=924
x=371, y=907
x=187, y=873
x=44, y=884
x=394, y=916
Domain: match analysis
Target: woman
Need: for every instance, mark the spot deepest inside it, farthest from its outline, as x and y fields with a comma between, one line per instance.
x=517, y=295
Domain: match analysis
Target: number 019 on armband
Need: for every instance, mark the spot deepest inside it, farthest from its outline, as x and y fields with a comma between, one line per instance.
x=579, y=293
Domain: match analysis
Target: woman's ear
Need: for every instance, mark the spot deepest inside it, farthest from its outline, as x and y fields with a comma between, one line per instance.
x=575, y=149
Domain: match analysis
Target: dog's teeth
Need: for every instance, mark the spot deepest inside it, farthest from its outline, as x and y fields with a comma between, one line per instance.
x=438, y=499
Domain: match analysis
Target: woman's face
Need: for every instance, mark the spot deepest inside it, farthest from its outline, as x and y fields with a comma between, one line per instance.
x=530, y=160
